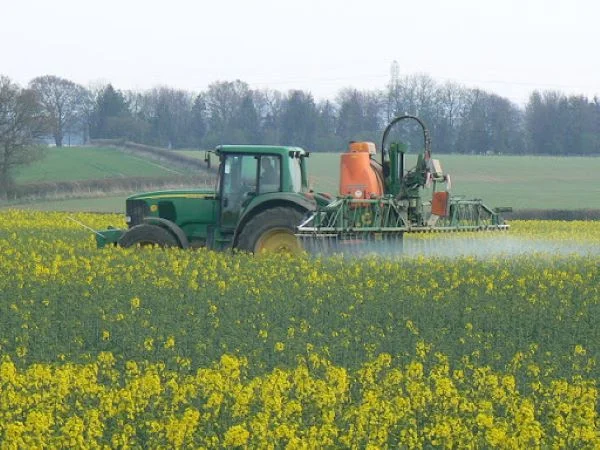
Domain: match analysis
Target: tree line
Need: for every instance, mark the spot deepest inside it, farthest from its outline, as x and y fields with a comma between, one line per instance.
x=460, y=119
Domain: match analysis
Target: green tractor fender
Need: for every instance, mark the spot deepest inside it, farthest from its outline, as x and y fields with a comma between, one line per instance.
x=264, y=202
x=172, y=227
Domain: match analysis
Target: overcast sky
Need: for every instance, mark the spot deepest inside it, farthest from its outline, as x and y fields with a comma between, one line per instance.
x=509, y=47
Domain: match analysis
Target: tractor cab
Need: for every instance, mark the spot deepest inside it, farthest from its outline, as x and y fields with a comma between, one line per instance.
x=246, y=173
x=261, y=189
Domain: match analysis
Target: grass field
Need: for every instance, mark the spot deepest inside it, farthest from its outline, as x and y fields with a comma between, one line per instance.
x=538, y=182
x=518, y=181
x=113, y=203
x=82, y=163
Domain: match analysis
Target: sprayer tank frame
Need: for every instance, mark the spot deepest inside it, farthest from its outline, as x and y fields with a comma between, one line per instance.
x=401, y=208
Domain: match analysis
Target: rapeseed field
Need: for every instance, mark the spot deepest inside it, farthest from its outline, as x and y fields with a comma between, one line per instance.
x=147, y=348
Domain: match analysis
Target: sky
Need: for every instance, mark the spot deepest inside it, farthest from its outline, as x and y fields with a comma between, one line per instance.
x=507, y=47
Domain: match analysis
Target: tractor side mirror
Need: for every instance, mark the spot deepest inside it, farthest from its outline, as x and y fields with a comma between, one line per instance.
x=207, y=159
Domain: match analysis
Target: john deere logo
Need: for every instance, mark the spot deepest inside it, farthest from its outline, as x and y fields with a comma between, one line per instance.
x=154, y=208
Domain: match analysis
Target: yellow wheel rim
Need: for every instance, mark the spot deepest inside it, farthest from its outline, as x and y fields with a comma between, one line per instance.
x=278, y=240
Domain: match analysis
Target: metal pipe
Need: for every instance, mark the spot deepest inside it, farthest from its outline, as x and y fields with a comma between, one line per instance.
x=426, y=138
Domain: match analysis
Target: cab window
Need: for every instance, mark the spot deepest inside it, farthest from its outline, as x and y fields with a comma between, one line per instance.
x=239, y=174
x=270, y=174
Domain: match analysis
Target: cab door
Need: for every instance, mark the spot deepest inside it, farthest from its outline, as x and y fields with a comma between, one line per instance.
x=239, y=175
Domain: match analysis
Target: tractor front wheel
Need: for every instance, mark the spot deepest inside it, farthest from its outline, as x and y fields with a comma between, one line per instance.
x=272, y=231
x=147, y=235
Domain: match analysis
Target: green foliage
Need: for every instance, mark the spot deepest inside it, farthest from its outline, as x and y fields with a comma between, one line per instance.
x=154, y=348
x=111, y=114
x=492, y=124
x=558, y=125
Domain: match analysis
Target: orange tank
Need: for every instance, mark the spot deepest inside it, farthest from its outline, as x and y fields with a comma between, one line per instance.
x=358, y=177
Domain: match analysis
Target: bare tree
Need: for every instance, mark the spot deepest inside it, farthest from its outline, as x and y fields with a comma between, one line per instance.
x=61, y=101
x=223, y=101
x=359, y=116
x=89, y=97
x=450, y=101
x=269, y=105
x=171, y=116
x=20, y=124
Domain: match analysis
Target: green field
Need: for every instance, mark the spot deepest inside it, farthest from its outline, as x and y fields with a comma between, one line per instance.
x=522, y=182
x=84, y=163
x=538, y=182
x=113, y=203
x=518, y=181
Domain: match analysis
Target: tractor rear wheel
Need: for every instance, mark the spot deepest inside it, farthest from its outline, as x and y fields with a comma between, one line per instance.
x=146, y=235
x=272, y=231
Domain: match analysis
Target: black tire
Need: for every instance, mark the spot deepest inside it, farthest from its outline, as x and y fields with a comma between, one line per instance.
x=145, y=235
x=281, y=218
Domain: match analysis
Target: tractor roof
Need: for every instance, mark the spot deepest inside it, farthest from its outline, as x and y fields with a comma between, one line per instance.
x=259, y=149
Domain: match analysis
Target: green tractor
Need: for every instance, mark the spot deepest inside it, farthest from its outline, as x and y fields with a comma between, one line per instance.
x=262, y=195
x=263, y=203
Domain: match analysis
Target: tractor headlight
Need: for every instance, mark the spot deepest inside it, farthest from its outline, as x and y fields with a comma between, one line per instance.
x=127, y=219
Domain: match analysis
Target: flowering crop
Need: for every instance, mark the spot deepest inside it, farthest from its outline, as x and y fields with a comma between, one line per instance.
x=149, y=347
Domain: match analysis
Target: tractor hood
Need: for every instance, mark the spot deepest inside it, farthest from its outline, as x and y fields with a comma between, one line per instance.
x=174, y=194
x=179, y=206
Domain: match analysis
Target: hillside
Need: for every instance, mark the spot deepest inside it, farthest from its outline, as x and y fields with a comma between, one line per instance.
x=99, y=178
x=82, y=163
